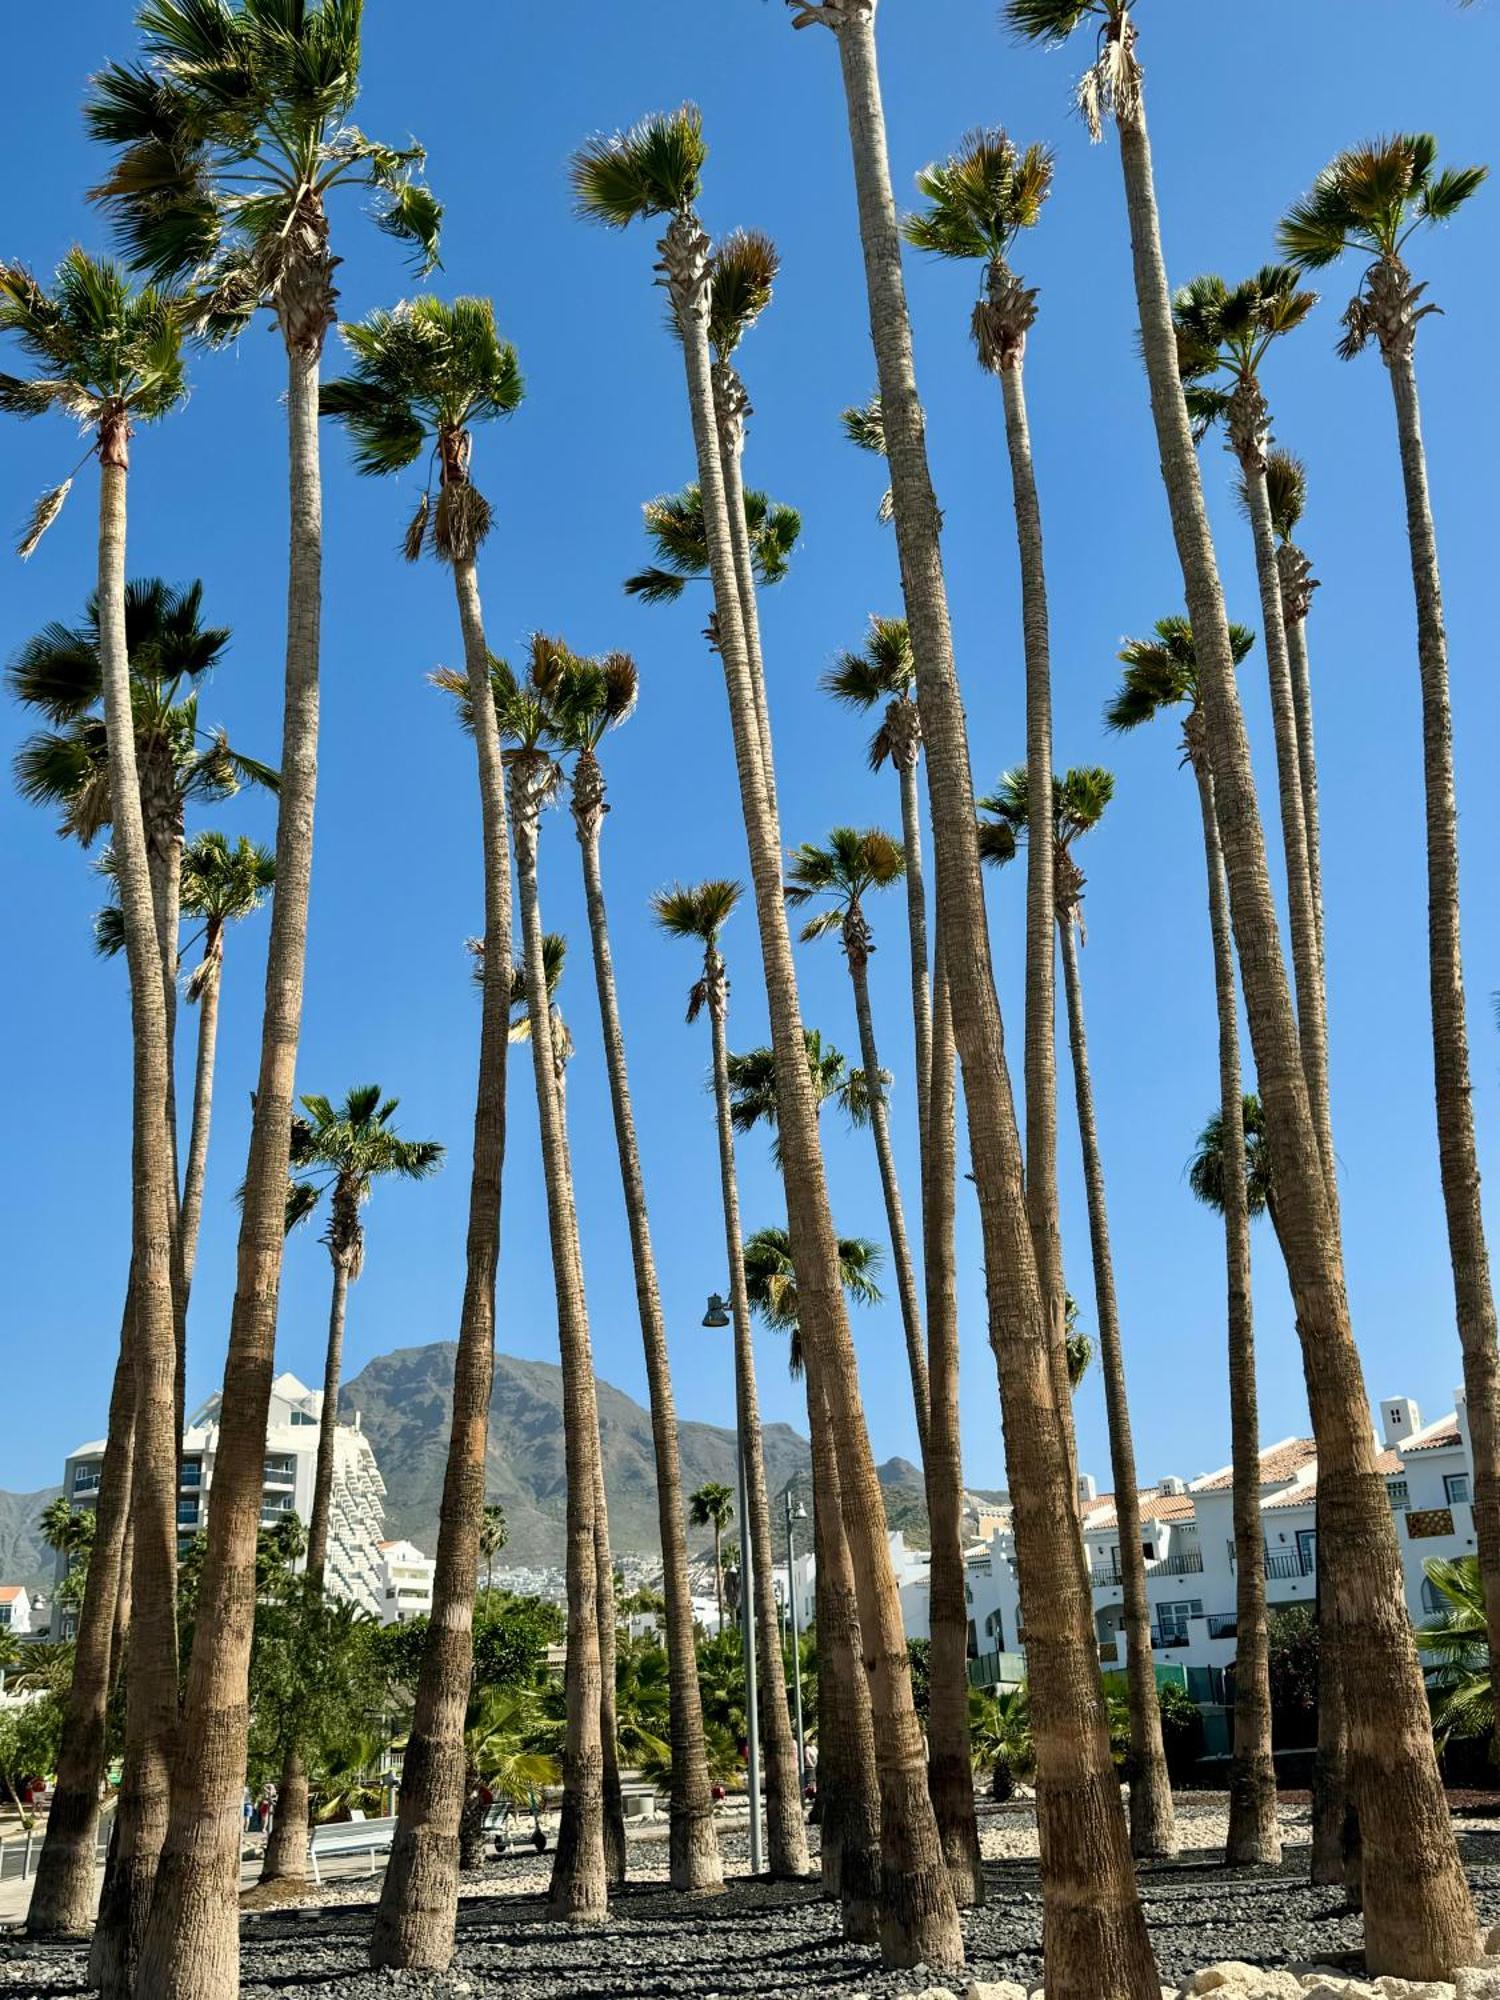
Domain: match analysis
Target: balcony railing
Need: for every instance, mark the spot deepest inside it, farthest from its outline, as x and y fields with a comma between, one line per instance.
x=86, y=1480
x=1166, y=1641
x=1284, y=1563
x=1181, y=1562
x=1223, y=1625
x=1104, y=1574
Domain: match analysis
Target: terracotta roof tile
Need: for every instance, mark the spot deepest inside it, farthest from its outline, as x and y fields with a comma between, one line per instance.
x=1279, y=1462
x=1434, y=1439
x=1155, y=1506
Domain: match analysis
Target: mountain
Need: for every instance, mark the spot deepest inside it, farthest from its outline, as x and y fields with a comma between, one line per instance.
x=24, y=1556
x=405, y=1403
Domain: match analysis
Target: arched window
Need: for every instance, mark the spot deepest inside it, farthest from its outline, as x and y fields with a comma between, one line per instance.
x=1433, y=1600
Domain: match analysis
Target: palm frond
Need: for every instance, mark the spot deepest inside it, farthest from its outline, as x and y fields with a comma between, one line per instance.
x=654, y=168
x=741, y=275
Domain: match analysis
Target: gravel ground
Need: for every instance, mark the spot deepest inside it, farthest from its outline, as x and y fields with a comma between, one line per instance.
x=778, y=1941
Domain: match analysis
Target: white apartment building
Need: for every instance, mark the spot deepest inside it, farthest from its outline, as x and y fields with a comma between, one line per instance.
x=1187, y=1531
x=355, y=1567
x=405, y=1583
x=16, y=1610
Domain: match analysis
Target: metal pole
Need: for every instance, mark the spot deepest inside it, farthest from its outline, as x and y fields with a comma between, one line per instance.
x=747, y=1633
x=791, y=1598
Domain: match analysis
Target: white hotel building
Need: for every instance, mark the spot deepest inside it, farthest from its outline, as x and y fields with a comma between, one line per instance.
x=1188, y=1535
x=380, y=1577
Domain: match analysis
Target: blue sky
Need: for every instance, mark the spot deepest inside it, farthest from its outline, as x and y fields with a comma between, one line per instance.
x=1246, y=104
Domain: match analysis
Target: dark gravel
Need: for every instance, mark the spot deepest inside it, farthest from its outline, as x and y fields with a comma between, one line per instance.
x=763, y=1940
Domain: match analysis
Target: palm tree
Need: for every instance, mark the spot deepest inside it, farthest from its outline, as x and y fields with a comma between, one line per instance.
x=221, y=884
x=674, y=526
x=1079, y=799
x=426, y=375
x=112, y=359
x=1161, y=673
x=977, y=203
x=579, y=1882
x=587, y=699
x=1373, y=200
x=230, y=136
x=1456, y=1637
x=1096, y=1935
x=340, y=1151
x=656, y=171
x=848, y=1785
x=493, y=1535
x=712, y=1506
x=1420, y=1916
x=1223, y=337
x=884, y=676
x=700, y=914
x=864, y=428
x=852, y=865
x=1286, y=486
x=752, y=1087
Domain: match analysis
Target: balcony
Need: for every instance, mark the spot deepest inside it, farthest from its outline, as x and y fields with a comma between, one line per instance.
x=86, y=1479
x=1429, y=1524
x=1181, y=1562
x=1282, y=1564
x=1223, y=1625
x=1167, y=1641
x=1104, y=1575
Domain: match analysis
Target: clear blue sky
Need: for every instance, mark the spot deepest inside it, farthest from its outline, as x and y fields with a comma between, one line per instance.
x=1246, y=104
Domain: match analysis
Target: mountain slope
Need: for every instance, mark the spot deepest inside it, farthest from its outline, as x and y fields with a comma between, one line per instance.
x=24, y=1556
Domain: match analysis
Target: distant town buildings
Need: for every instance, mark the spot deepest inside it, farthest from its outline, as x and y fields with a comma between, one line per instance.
x=359, y=1568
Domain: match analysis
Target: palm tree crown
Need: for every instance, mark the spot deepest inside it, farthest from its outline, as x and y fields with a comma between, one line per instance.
x=655, y=168
x=1079, y=797
x=170, y=651
x=221, y=884
x=699, y=911
x=1111, y=86
x=424, y=375
x=679, y=538
x=771, y=1281
x=853, y=863
x=1162, y=672
x=741, y=275
x=107, y=356
x=230, y=135
x=979, y=200
x=1206, y=1168
x=1372, y=199
x=752, y=1087
x=1224, y=332
x=342, y=1151
x=884, y=671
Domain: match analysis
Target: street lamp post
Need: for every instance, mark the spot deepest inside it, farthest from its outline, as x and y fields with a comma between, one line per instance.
x=791, y=1597
x=717, y=1316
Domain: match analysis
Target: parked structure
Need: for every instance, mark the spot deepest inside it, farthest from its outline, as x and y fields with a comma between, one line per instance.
x=355, y=1568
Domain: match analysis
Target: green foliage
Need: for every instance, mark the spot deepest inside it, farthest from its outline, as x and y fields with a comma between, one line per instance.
x=1294, y=1674
x=919, y=1653
x=1055, y=20
x=511, y=1637
x=315, y=1679
x=656, y=168
x=1226, y=330
x=679, y=539
x=981, y=197
x=342, y=1150
x=1181, y=1729
x=752, y=1087
x=853, y=863
x=741, y=274
x=1371, y=198
x=30, y=1732
x=771, y=1282
x=1206, y=1168
x=1162, y=672
x=1456, y=1640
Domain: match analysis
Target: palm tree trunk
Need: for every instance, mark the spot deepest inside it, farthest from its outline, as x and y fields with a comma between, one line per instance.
x=916, y=929
x=693, y=1840
x=950, y=1774
x=151, y=1696
x=1153, y=1830
x=1307, y=759
x=161, y=812
x=609, y=1727
x=919, y=1923
x=890, y=1188
x=1039, y=1064
x=414, y=1923
x=62, y=1896
x=579, y=1892
x=191, y=1950
x=719, y=1574
x=1253, y=1833
x=730, y=425
x=1097, y=1947
x=1419, y=1916
x=787, y=1835
x=287, y=1849
x=203, y=1106
x=1307, y=958
x=848, y=1780
x=1458, y=1156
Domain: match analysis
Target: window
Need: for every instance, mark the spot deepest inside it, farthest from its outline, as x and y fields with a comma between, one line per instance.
x=1172, y=1619
x=1433, y=1600
x=1307, y=1549
x=1148, y=1550
x=187, y=1513
x=1456, y=1487
x=1400, y=1495
x=303, y=1417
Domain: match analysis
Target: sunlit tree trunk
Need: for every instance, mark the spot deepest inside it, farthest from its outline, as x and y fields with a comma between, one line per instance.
x=414, y=1923
x=1419, y=1919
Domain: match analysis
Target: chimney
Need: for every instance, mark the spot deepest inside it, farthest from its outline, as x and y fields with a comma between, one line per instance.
x=1399, y=1419
x=1172, y=1484
x=1088, y=1487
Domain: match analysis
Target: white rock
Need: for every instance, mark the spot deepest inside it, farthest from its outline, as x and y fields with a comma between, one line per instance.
x=937, y=1993
x=1236, y=1980
x=1391, y=1988
x=1477, y=1982
x=994, y=1989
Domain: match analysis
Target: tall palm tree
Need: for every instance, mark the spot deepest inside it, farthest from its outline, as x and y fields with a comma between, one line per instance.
x=1420, y=1916
x=699, y=914
x=1161, y=673
x=883, y=675
x=579, y=1891
x=1080, y=797
x=712, y=1506
x=222, y=883
x=1372, y=200
x=844, y=873
x=340, y=1151
x=1096, y=1935
x=230, y=135
x=752, y=1086
x=587, y=699
x=112, y=359
x=656, y=171
x=493, y=1535
x=1286, y=487
x=848, y=1782
x=771, y=1283
x=1223, y=336
x=864, y=428
x=674, y=527
x=426, y=375
x=977, y=202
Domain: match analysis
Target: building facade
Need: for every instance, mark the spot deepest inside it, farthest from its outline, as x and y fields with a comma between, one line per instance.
x=355, y=1569
x=1187, y=1530
x=405, y=1583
